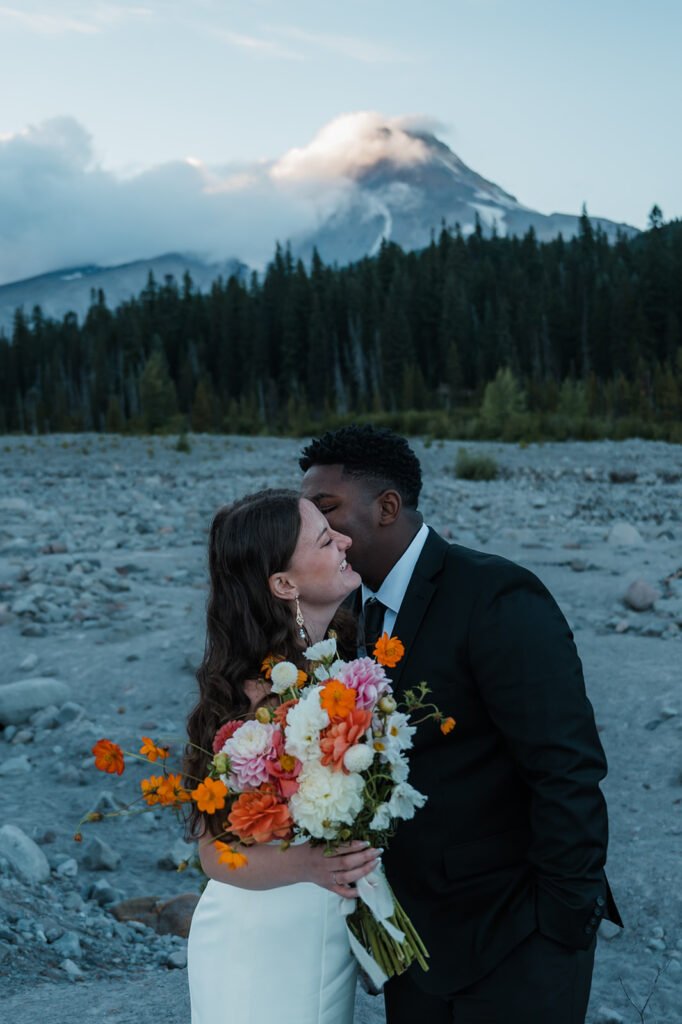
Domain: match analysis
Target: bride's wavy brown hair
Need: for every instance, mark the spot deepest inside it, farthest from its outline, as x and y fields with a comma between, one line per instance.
x=248, y=542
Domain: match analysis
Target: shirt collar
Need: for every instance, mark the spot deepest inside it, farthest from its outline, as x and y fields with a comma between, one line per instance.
x=392, y=590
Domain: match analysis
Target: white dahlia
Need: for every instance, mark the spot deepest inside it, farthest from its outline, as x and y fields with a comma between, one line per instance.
x=326, y=799
x=304, y=722
x=284, y=675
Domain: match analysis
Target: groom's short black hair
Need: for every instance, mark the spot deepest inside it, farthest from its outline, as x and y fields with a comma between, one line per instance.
x=366, y=451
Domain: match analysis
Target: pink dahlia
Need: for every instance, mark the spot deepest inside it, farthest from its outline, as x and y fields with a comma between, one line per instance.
x=367, y=679
x=250, y=751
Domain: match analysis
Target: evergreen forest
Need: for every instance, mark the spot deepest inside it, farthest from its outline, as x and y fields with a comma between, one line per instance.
x=470, y=337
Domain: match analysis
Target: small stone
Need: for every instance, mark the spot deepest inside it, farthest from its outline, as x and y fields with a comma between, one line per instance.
x=625, y=535
x=25, y=856
x=74, y=901
x=605, y=1015
x=608, y=930
x=70, y=712
x=68, y=868
x=657, y=932
x=34, y=629
x=74, y=972
x=656, y=944
x=177, y=959
x=29, y=663
x=103, y=893
x=46, y=718
x=622, y=626
x=15, y=766
x=179, y=852
x=668, y=712
x=68, y=946
x=640, y=596
x=99, y=856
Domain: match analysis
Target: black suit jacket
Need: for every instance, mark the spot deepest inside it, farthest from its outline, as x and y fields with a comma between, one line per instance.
x=513, y=836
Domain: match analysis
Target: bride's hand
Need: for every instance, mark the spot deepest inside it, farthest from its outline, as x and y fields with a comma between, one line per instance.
x=339, y=871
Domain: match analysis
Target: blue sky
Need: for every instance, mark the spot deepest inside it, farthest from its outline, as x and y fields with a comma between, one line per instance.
x=559, y=103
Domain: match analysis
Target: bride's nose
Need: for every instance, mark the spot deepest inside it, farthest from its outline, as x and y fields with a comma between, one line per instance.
x=343, y=541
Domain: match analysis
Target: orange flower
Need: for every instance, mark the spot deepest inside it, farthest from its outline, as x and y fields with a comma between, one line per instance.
x=108, y=757
x=210, y=795
x=229, y=856
x=150, y=789
x=260, y=816
x=302, y=677
x=337, y=699
x=340, y=735
x=447, y=726
x=78, y=837
x=171, y=790
x=388, y=650
x=269, y=662
x=282, y=711
x=151, y=751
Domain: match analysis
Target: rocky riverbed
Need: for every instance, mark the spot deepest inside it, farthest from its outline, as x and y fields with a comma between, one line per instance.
x=102, y=593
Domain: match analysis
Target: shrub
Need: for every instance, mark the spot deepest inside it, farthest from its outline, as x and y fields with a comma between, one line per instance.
x=182, y=444
x=475, y=467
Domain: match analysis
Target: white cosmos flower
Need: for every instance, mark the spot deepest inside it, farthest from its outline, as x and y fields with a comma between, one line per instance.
x=399, y=730
x=284, y=675
x=304, y=722
x=400, y=769
x=326, y=799
x=322, y=649
x=382, y=817
x=332, y=672
x=358, y=757
x=405, y=800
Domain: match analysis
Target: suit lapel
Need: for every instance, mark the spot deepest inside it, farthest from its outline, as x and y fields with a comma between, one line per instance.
x=417, y=598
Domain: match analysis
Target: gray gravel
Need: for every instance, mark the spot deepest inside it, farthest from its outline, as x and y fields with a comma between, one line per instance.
x=102, y=591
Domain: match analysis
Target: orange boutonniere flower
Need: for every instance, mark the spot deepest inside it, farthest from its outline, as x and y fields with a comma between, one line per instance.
x=388, y=650
x=108, y=757
x=259, y=816
x=229, y=856
x=151, y=751
x=338, y=700
x=447, y=726
x=210, y=795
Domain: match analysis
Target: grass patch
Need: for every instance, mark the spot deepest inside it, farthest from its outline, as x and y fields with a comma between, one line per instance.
x=475, y=467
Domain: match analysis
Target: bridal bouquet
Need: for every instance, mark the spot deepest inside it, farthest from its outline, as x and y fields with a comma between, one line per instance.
x=329, y=764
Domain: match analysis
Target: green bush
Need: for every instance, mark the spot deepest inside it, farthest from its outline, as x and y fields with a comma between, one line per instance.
x=475, y=467
x=182, y=444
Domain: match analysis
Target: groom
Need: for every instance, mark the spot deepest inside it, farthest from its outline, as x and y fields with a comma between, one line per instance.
x=502, y=871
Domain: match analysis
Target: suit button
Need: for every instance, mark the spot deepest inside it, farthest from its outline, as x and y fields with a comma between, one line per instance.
x=588, y=929
x=600, y=901
x=593, y=921
x=598, y=911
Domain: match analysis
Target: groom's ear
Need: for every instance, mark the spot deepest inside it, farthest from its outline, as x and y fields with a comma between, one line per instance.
x=389, y=503
x=282, y=587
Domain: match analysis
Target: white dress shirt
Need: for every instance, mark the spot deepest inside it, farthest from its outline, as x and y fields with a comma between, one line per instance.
x=392, y=590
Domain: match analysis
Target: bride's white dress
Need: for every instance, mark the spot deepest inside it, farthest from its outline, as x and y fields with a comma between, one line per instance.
x=282, y=955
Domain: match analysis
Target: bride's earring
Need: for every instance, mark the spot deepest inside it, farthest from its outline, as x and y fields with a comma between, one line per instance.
x=299, y=620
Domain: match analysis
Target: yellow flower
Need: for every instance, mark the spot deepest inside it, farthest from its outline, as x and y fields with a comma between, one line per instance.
x=229, y=856
x=151, y=751
x=210, y=795
x=150, y=789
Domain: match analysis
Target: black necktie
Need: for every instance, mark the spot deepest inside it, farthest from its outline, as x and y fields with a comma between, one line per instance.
x=374, y=617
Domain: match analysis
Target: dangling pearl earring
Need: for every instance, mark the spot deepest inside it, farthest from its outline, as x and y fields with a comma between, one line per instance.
x=299, y=620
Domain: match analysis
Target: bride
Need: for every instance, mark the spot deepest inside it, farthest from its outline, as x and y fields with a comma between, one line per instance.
x=267, y=941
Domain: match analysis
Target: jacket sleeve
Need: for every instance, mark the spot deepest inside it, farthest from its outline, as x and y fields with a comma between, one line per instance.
x=529, y=675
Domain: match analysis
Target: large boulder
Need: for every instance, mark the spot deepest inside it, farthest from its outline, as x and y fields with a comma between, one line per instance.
x=18, y=701
x=175, y=916
x=25, y=856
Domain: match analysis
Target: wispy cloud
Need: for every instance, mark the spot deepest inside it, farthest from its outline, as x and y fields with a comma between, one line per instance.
x=368, y=51
x=258, y=45
x=83, y=20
